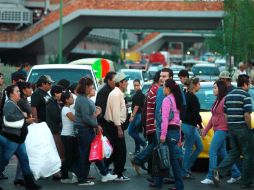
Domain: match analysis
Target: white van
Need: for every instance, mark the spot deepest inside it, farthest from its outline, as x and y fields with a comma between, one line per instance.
x=57, y=72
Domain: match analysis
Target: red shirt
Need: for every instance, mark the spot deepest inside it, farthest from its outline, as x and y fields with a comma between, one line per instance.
x=150, y=113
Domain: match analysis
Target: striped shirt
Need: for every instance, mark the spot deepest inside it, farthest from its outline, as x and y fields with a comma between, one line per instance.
x=150, y=114
x=237, y=103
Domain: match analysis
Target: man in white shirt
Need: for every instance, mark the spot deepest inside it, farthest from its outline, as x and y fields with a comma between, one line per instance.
x=115, y=115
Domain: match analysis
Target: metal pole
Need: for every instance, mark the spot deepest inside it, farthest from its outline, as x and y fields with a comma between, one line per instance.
x=60, y=39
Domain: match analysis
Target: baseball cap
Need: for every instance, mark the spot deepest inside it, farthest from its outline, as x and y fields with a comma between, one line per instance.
x=121, y=76
x=45, y=79
x=225, y=75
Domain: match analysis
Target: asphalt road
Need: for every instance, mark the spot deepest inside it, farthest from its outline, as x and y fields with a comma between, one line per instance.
x=136, y=182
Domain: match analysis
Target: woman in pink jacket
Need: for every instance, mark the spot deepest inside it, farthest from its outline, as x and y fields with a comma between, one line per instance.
x=219, y=124
x=170, y=127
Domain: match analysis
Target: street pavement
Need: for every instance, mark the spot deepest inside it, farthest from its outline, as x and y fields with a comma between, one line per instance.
x=136, y=182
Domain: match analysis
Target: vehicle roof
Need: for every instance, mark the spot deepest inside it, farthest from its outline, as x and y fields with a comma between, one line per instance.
x=88, y=61
x=62, y=66
x=131, y=70
x=205, y=65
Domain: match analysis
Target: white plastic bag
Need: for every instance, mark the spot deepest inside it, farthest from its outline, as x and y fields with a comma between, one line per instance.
x=44, y=160
x=107, y=148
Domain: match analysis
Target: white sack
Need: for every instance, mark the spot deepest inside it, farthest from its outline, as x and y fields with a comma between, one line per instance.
x=43, y=157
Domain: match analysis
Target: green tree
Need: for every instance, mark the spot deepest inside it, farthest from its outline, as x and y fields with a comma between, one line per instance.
x=236, y=36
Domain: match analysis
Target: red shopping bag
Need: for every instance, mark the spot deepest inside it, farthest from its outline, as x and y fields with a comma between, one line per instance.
x=96, y=150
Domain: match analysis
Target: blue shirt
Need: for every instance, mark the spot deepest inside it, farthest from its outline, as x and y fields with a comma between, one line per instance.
x=237, y=103
x=159, y=99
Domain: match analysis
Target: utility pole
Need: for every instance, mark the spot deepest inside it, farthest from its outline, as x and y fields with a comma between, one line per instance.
x=60, y=36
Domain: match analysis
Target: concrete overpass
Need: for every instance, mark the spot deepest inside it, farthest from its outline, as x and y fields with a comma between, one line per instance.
x=81, y=16
x=155, y=43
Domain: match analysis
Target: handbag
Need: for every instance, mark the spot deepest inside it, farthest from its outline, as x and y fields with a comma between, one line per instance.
x=14, y=124
x=163, y=156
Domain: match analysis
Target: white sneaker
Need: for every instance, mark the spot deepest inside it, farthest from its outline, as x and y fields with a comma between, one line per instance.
x=207, y=181
x=67, y=180
x=86, y=183
x=122, y=178
x=108, y=177
x=74, y=178
x=233, y=180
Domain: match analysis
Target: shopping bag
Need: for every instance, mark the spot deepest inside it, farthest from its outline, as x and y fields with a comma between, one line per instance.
x=107, y=147
x=96, y=150
x=44, y=160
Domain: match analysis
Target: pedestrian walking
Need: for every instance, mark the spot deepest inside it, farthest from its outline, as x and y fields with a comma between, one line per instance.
x=190, y=124
x=86, y=124
x=170, y=127
x=102, y=99
x=220, y=127
x=150, y=130
x=13, y=136
x=53, y=118
x=68, y=138
x=165, y=74
x=40, y=98
x=115, y=115
x=138, y=99
x=238, y=107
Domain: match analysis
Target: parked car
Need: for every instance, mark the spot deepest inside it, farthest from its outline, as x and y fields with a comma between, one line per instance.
x=206, y=72
x=57, y=72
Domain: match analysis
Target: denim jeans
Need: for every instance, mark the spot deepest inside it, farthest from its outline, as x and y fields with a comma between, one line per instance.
x=172, y=140
x=9, y=148
x=85, y=137
x=218, y=149
x=242, y=143
x=146, y=153
x=133, y=131
x=192, y=137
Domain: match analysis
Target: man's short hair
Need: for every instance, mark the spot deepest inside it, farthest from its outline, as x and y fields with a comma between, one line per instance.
x=183, y=73
x=170, y=72
x=17, y=76
x=243, y=79
x=109, y=76
x=1, y=74
x=136, y=80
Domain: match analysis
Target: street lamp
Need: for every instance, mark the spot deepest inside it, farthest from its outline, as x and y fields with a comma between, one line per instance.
x=60, y=36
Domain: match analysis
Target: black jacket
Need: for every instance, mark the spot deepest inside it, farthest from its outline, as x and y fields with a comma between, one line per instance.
x=192, y=116
x=101, y=101
x=53, y=116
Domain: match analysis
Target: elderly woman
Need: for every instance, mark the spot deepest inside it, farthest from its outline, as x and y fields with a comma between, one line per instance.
x=14, y=134
x=86, y=124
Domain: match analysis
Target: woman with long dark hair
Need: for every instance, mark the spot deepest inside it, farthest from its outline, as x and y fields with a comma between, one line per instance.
x=220, y=127
x=191, y=122
x=170, y=126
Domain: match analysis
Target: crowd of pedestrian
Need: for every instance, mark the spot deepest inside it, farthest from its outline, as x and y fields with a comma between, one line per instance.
x=168, y=114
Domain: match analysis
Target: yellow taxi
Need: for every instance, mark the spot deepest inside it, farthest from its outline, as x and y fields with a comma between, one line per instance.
x=206, y=100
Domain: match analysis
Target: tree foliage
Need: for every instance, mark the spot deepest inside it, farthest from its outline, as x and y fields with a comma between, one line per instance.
x=236, y=36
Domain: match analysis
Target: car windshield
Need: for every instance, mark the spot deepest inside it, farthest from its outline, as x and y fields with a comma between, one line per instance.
x=133, y=75
x=145, y=88
x=73, y=75
x=210, y=71
x=206, y=98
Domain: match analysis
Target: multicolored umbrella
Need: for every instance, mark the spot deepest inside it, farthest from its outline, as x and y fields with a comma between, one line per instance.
x=101, y=67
